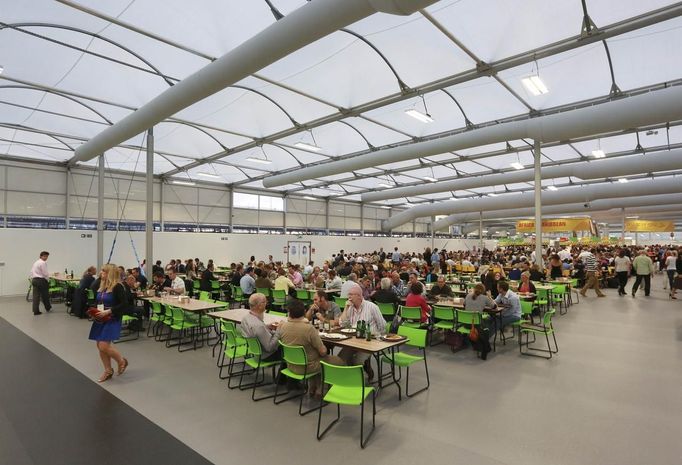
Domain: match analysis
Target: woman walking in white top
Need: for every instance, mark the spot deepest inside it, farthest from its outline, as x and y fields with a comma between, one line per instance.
x=671, y=268
x=623, y=266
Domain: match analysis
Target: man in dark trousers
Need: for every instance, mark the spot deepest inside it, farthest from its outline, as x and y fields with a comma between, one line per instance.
x=39, y=281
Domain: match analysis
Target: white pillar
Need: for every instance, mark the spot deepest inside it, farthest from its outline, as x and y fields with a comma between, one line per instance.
x=538, y=204
x=100, y=213
x=67, y=213
x=149, y=215
x=480, y=231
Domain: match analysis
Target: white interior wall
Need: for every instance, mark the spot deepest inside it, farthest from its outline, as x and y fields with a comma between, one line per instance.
x=19, y=248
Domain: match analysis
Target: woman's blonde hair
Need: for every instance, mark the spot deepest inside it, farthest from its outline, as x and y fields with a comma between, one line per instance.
x=479, y=289
x=113, y=278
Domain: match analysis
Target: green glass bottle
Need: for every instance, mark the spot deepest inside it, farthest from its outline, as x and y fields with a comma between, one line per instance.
x=368, y=332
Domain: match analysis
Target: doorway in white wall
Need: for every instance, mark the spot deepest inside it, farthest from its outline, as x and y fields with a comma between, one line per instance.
x=298, y=252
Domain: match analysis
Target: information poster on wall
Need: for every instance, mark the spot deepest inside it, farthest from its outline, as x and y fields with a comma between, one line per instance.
x=299, y=252
x=556, y=225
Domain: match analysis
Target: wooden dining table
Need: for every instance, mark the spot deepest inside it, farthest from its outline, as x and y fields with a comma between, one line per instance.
x=375, y=347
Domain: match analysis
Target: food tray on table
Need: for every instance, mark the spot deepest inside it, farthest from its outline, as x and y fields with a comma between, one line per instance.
x=392, y=338
x=348, y=331
x=334, y=336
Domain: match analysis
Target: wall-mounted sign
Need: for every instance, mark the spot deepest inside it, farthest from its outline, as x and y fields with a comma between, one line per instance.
x=556, y=225
x=649, y=226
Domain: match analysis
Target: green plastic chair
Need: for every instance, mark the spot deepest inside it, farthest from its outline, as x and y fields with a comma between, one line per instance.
x=341, y=302
x=541, y=298
x=560, y=297
x=294, y=355
x=576, y=289
x=205, y=296
x=444, y=319
x=411, y=316
x=347, y=388
x=415, y=338
x=234, y=347
x=125, y=322
x=387, y=310
x=237, y=295
x=215, y=289
x=264, y=290
x=546, y=328
x=526, y=317
x=181, y=324
x=253, y=358
x=91, y=295
x=156, y=318
x=279, y=298
x=304, y=295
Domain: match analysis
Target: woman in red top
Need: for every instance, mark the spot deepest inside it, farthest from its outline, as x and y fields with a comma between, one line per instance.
x=526, y=285
x=416, y=299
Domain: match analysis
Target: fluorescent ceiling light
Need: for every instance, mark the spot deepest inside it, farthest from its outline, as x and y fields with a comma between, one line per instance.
x=598, y=153
x=418, y=115
x=552, y=188
x=517, y=165
x=492, y=194
x=307, y=197
x=306, y=146
x=383, y=184
x=387, y=207
x=535, y=85
x=622, y=180
x=429, y=178
x=184, y=183
x=262, y=161
x=209, y=175
x=632, y=217
x=485, y=231
x=2, y=68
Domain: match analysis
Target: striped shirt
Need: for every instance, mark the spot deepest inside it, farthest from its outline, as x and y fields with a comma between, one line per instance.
x=369, y=313
x=590, y=262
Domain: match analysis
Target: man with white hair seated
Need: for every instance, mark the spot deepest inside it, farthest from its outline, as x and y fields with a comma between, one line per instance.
x=359, y=309
x=345, y=287
x=252, y=325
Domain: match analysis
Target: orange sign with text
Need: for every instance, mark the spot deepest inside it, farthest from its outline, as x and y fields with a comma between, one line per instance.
x=649, y=226
x=555, y=225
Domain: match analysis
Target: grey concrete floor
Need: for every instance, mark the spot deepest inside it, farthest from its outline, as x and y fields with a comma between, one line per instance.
x=611, y=396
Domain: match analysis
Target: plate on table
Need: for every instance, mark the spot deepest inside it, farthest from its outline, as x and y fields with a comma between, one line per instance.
x=392, y=338
x=348, y=331
x=334, y=336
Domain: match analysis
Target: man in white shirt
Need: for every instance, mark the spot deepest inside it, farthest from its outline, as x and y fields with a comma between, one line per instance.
x=39, y=281
x=359, y=309
x=177, y=286
x=565, y=253
x=334, y=282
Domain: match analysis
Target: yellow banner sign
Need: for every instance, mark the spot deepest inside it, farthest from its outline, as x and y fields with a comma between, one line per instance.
x=555, y=225
x=649, y=226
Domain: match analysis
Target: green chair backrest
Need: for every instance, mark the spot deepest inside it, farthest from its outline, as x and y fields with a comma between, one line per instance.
x=226, y=325
x=253, y=346
x=349, y=377
x=177, y=313
x=466, y=318
x=559, y=289
x=411, y=313
x=195, y=284
x=205, y=296
x=443, y=313
x=215, y=284
x=156, y=308
x=542, y=293
x=387, y=309
x=526, y=307
x=294, y=355
x=415, y=337
x=340, y=301
x=547, y=318
x=302, y=294
x=279, y=295
x=263, y=290
x=237, y=292
x=91, y=295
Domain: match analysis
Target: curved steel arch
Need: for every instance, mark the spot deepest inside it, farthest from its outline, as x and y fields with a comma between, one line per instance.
x=403, y=87
x=17, y=86
x=19, y=26
x=369, y=144
x=615, y=90
x=169, y=80
x=21, y=127
x=467, y=121
x=225, y=148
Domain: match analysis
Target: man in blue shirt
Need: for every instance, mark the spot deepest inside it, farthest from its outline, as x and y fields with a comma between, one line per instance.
x=510, y=303
x=395, y=258
x=248, y=283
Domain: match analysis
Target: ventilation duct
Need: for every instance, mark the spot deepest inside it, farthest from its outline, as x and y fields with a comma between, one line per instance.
x=303, y=26
x=665, y=202
x=655, y=107
x=621, y=166
x=584, y=194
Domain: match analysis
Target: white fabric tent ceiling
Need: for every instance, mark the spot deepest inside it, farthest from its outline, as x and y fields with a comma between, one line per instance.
x=68, y=75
